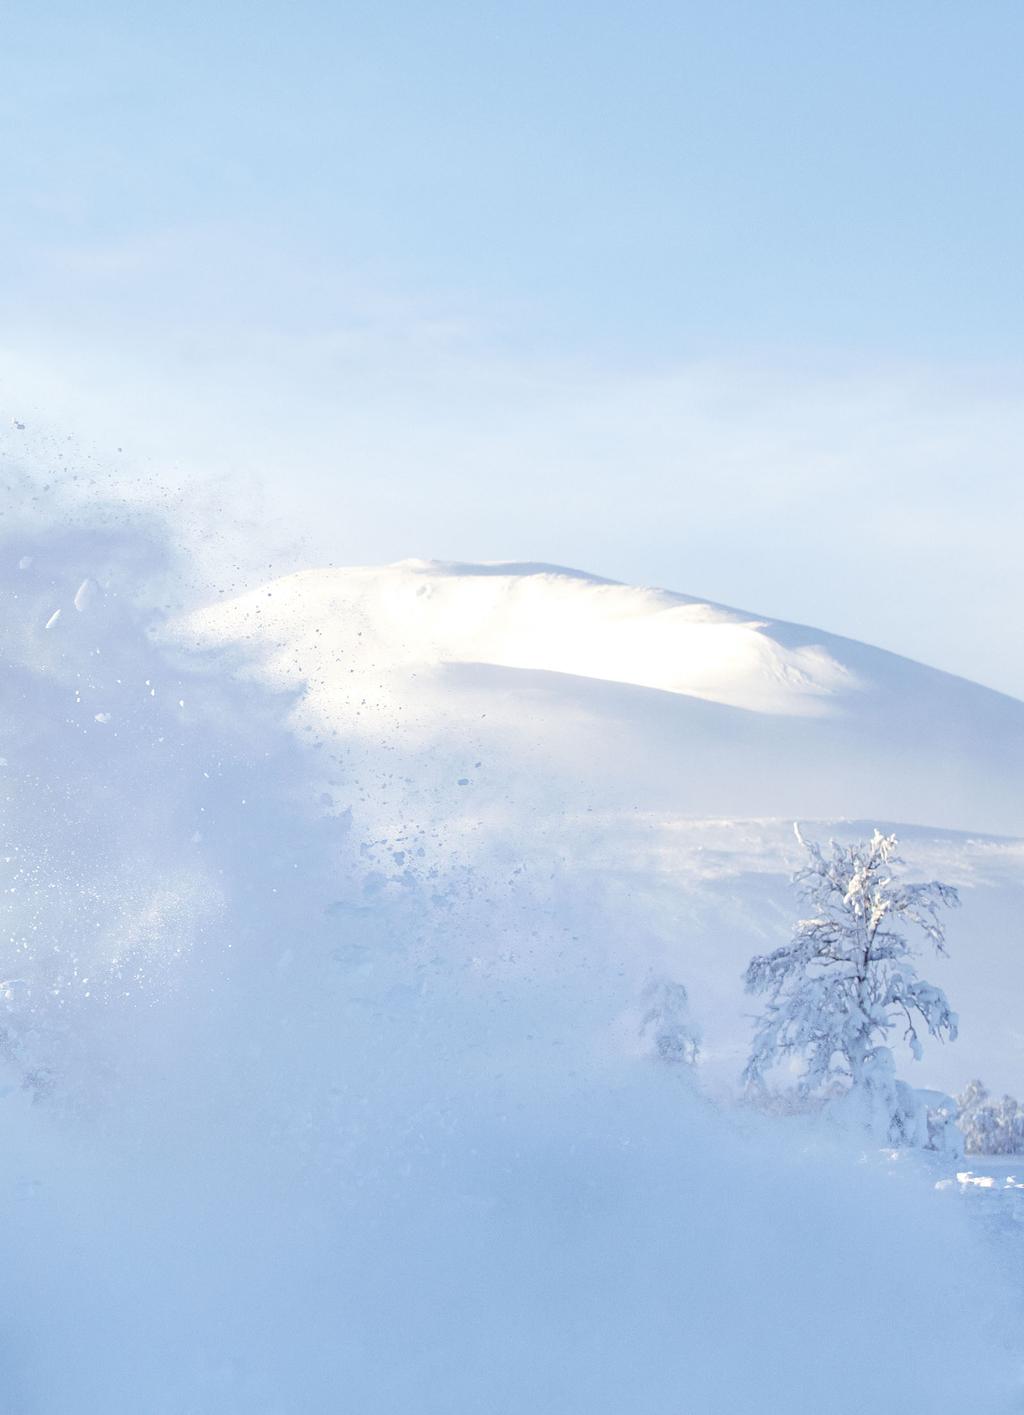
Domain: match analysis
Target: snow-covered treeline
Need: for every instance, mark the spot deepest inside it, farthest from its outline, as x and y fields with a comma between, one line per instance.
x=990, y=1126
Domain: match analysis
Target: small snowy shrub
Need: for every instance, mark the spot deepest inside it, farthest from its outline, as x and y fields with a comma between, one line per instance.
x=666, y=1031
x=944, y=1136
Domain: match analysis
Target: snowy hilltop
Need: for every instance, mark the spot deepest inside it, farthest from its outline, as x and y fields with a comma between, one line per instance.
x=373, y=1011
x=667, y=740
x=705, y=709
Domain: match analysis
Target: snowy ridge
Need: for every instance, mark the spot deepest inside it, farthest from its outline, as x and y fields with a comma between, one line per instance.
x=666, y=699
x=543, y=618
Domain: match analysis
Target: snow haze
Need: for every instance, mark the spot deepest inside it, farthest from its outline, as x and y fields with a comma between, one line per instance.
x=472, y=480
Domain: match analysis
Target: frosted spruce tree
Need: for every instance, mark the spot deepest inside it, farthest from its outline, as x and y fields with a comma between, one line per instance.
x=848, y=978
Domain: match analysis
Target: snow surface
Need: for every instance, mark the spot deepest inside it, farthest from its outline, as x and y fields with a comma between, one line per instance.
x=329, y=913
x=747, y=718
x=428, y=689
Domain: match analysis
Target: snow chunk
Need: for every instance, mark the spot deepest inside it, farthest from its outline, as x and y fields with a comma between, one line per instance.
x=86, y=594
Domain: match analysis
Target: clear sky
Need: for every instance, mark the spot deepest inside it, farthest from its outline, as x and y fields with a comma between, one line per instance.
x=724, y=296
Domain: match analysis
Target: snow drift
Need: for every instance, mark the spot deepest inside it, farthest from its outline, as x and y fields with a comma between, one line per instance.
x=328, y=915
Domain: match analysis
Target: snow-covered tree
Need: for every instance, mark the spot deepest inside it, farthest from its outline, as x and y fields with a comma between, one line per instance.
x=971, y=1099
x=976, y=1116
x=1011, y=1126
x=847, y=978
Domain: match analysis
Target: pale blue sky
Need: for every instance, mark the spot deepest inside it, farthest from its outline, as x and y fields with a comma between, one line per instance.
x=724, y=296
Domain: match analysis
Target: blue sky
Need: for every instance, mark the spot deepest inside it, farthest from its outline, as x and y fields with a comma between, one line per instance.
x=722, y=296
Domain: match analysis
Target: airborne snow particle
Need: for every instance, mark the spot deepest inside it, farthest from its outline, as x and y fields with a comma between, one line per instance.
x=85, y=594
x=53, y=619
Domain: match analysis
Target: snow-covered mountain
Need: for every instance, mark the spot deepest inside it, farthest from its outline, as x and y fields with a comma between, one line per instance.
x=330, y=913
x=655, y=739
x=657, y=699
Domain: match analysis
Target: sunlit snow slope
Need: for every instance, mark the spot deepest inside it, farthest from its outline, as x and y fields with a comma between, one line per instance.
x=655, y=698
